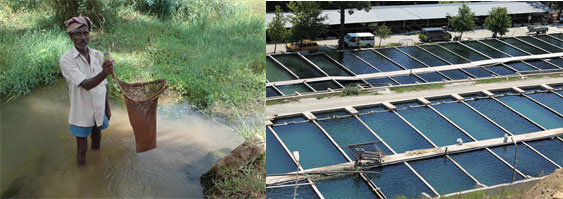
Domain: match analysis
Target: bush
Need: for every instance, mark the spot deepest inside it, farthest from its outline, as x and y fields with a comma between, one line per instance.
x=422, y=37
x=103, y=13
x=350, y=91
x=448, y=36
x=163, y=9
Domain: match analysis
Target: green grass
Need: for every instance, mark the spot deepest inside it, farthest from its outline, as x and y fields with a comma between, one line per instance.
x=504, y=193
x=418, y=88
x=244, y=182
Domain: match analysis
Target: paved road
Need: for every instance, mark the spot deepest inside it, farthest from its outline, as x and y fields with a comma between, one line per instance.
x=477, y=34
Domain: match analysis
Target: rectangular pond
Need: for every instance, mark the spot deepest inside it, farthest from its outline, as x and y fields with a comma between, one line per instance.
x=398, y=180
x=478, y=72
x=434, y=127
x=423, y=56
x=504, y=48
x=520, y=66
x=395, y=132
x=503, y=116
x=275, y=72
x=488, y=169
x=432, y=77
x=298, y=66
x=379, y=82
x=351, y=83
x=549, y=99
x=523, y=46
x=349, y=130
x=348, y=186
x=440, y=172
x=315, y=149
x=556, y=61
x=324, y=85
x=328, y=65
x=542, y=64
x=550, y=40
x=303, y=191
x=271, y=92
x=533, y=111
x=528, y=162
x=436, y=50
x=463, y=51
x=552, y=148
x=352, y=62
x=455, y=74
x=541, y=44
x=501, y=70
x=291, y=89
x=470, y=121
x=399, y=57
x=278, y=159
x=407, y=79
x=485, y=49
x=377, y=61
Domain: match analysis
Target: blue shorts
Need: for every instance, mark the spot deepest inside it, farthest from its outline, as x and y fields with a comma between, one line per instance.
x=79, y=131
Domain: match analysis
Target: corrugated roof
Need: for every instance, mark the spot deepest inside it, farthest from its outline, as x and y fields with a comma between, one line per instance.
x=425, y=11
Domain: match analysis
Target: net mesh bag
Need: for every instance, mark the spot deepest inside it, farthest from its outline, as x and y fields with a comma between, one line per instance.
x=141, y=100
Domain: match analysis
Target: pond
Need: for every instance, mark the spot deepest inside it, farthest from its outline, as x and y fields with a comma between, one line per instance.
x=39, y=154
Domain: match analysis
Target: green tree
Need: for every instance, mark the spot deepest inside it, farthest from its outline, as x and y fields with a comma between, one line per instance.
x=342, y=5
x=307, y=22
x=557, y=5
x=383, y=32
x=464, y=21
x=276, y=29
x=498, y=21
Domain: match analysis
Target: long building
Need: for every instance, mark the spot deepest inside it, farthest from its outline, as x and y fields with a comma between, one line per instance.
x=411, y=18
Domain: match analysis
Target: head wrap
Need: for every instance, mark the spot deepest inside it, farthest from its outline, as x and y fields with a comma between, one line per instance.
x=76, y=22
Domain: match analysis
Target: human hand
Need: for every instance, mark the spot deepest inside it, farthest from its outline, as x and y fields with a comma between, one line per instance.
x=108, y=66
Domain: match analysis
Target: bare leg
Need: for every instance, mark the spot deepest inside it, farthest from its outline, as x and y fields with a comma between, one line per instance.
x=82, y=147
x=96, y=138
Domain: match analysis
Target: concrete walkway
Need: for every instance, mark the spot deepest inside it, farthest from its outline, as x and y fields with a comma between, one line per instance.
x=312, y=104
x=477, y=34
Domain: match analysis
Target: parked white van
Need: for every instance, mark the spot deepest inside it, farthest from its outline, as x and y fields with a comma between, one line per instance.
x=361, y=39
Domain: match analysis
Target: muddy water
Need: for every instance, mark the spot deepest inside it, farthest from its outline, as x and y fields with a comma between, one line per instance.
x=38, y=154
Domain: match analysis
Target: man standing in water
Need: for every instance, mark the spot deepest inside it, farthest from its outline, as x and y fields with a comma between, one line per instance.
x=85, y=71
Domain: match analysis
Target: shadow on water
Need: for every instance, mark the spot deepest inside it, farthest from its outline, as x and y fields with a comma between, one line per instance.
x=38, y=153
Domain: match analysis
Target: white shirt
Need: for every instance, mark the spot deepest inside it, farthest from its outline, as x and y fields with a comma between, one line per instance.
x=87, y=107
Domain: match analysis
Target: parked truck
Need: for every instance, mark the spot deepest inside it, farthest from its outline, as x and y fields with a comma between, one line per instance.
x=537, y=29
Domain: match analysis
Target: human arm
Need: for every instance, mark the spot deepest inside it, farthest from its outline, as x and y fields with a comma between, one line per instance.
x=94, y=81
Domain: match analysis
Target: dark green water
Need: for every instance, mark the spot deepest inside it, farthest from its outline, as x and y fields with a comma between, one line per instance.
x=270, y=92
x=327, y=65
x=523, y=46
x=378, y=82
x=444, y=54
x=550, y=40
x=484, y=49
x=541, y=64
x=504, y=48
x=540, y=44
x=463, y=51
x=351, y=62
x=290, y=89
x=377, y=60
x=478, y=72
x=298, y=66
x=350, y=83
x=400, y=58
x=423, y=56
x=275, y=73
x=324, y=85
x=455, y=74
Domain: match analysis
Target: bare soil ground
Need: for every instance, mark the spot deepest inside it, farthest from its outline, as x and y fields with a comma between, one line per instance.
x=547, y=188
